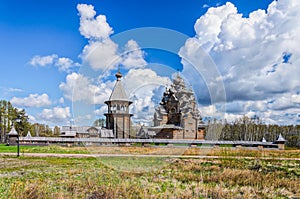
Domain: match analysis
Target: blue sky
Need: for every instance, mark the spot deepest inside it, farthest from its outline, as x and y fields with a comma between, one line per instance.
x=241, y=44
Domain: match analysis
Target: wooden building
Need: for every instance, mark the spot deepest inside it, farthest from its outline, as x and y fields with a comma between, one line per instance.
x=118, y=117
x=177, y=116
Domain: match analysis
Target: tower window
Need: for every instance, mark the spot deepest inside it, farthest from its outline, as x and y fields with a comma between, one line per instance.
x=173, y=110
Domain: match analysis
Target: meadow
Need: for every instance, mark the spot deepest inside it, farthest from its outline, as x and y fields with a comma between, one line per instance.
x=152, y=177
x=154, y=150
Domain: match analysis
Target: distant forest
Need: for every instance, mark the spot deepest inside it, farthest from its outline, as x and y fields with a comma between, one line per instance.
x=252, y=129
x=10, y=116
x=245, y=128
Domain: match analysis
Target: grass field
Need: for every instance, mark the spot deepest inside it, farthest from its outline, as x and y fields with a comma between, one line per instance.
x=222, y=151
x=43, y=149
x=132, y=177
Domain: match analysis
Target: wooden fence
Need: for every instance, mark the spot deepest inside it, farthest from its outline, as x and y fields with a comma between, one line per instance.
x=169, y=142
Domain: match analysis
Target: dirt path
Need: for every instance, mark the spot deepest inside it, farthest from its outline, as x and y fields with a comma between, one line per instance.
x=140, y=155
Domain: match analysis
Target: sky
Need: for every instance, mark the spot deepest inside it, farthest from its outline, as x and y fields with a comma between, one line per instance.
x=58, y=58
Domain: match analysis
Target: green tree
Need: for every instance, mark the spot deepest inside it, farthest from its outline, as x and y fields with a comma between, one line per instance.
x=56, y=131
x=99, y=122
x=43, y=130
x=9, y=116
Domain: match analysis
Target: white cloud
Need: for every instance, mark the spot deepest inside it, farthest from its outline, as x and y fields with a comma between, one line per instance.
x=143, y=109
x=101, y=55
x=100, y=112
x=86, y=11
x=91, y=27
x=208, y=26
x=32, y=119
x=55, y=115
x=257, y=56
x=205, y=6
x=43, y=60
x=13, y=90
x=33, y=100
x=144, y=87
x=208, y=111
x=105, y=55
x=10, y=91
x=61, y=100
x=242, y=49
x=63, y=63
x=133, y=56
x=295, y=99
x=80, y=88
x=137, y=79
x=282, y=110
x=285, y=102
x=83, y=120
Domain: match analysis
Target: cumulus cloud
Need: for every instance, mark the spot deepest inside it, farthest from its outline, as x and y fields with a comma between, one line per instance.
x=255, y=59
x=282, y=110
x=250, y=51
x=101, y=55
x=61, y=100
x=285, y=102
x=257, y=56
x=83, y=119
x=32, y=119
x=91, y=27
x=144, y=87
x=63, y=63
x=133, y=55
x=137, y=79
x=43, y=60
x=33, y=100
x=55, y=115
x=104, y=55
x=100, y=111
x=80, y=88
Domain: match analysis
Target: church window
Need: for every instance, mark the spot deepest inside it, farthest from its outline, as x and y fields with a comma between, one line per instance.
x=173, y=110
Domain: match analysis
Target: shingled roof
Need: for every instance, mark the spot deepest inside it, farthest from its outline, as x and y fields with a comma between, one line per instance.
x=118, y=92
x=13, y=131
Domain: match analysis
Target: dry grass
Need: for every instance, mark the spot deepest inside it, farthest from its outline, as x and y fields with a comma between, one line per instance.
x=29, y=177
x=156, y=150
x=244, y=152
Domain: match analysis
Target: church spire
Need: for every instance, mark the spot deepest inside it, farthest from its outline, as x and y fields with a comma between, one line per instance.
x=118, y=92
x=118, y=75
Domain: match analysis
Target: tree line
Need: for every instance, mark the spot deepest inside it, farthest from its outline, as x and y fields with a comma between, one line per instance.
x=11, y=116
x=244, y=128
x=252, y=129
